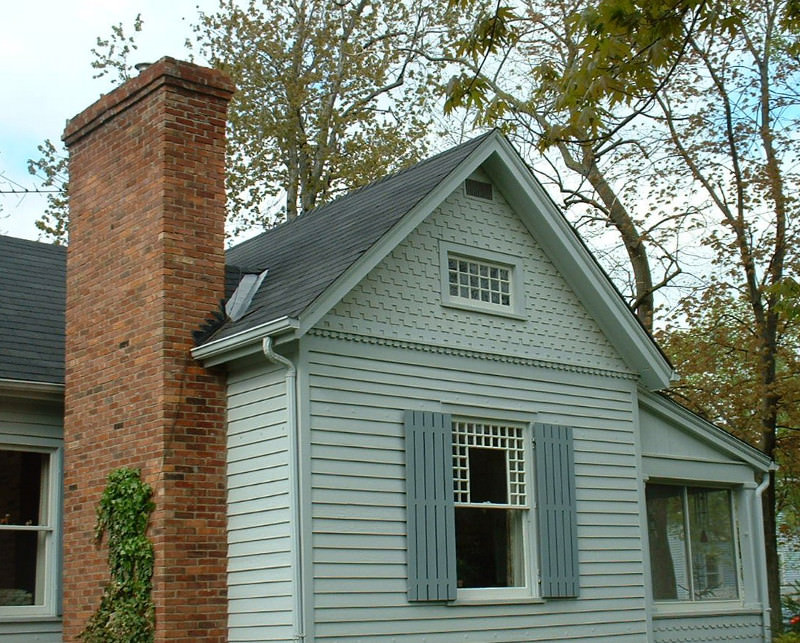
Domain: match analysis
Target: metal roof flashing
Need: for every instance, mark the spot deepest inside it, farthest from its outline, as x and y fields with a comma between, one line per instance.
x=240, y=300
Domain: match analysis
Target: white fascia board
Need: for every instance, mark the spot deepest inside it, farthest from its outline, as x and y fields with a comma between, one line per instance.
x=703, y=430
x=573, y=260
x=389, y=241
x=244, y=342
x=30, y=389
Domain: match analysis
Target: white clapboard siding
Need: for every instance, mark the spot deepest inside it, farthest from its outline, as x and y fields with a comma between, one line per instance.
x=358, y=392
x=33, y=423
x=259, y=547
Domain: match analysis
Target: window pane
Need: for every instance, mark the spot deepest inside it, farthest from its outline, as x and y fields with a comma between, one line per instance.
x=487, y=282
x=21, y=567
x=21, y=477
x=489, y=548
x=487, y=475
x=713, y=556
x=667, y=536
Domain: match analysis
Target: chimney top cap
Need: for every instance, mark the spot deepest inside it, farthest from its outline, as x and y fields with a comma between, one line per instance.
x=166, y=71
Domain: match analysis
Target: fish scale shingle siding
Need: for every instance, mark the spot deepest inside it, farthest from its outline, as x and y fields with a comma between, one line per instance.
x=401, y=298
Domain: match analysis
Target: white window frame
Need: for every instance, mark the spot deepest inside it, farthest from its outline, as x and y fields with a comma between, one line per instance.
x=528, y=590
x=513, y=264
x=691, y=605
x=50, y=530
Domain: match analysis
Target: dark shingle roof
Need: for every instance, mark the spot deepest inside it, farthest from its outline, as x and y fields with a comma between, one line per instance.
x=32, y=301
x=306, y=255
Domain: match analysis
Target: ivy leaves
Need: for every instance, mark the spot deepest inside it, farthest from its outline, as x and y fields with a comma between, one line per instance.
x=126, y=612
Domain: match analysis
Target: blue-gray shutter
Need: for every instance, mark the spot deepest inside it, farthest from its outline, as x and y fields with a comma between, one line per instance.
x=555, y=494
x=431, y=517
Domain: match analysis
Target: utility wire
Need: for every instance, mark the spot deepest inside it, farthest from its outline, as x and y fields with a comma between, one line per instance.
x=27, y=191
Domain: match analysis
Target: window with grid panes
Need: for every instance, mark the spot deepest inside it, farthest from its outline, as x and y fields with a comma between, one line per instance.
x=479, y=281
x=491, y=503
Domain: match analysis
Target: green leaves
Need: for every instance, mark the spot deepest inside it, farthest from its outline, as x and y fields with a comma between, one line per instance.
x=330, y=96
x=126, y=613
x=111, y=54
x=52, y=170
x=491, y=32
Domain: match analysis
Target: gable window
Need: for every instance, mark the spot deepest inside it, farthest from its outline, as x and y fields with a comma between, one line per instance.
x=490, y=504
x=692, y=543
x=28, y=493
x=470, y=489
x=481, y=280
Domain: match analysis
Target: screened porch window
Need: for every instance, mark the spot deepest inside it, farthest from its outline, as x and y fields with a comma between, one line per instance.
x=692, y=543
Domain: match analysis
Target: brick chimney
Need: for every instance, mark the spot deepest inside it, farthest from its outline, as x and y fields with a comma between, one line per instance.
x=145, y=268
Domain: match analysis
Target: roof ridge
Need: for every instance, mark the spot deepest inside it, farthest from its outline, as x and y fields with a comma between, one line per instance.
x=314, y=212
x=42, y=245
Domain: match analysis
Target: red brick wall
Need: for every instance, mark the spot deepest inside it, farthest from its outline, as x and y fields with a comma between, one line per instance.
x=145, y=268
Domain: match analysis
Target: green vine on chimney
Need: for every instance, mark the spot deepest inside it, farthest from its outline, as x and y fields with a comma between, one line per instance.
x=126, y=613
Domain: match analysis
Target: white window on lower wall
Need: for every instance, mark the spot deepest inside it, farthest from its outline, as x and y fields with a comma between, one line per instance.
x=29, y=483
x=491, y=507
x=470, y=486
x=693, y=552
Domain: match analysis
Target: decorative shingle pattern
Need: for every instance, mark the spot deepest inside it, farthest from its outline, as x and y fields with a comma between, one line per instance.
x=32, y=278
x=401, y=298
x=306, y=255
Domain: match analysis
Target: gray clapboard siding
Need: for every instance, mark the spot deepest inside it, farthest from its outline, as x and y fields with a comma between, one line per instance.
x=23, y=420
x=34, y=631
x=260, y=599
x=358, y=495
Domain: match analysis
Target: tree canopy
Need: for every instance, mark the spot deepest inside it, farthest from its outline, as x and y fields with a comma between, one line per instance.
x=698, y=101
x=330, y=97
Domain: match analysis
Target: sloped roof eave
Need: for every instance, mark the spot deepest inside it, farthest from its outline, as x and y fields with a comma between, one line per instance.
x=707, y=431
x=543, y=219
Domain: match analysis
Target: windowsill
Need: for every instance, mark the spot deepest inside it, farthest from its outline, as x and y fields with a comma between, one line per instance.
x=21, y=618
x=511, y=600
x=678, y=609
x=488, y=309
x=495, y=596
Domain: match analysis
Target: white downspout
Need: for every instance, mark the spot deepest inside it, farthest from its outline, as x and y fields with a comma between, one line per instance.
x=758, y=518
x=295, y=530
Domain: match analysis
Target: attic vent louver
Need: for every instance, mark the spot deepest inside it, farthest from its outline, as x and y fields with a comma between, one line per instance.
x=240, y=300
x=478, y=189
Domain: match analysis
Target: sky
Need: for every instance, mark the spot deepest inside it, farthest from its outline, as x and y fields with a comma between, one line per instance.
x=46, y=77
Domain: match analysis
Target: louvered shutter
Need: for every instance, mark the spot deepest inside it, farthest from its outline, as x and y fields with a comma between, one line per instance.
x=431, y=519
x=555, y=493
